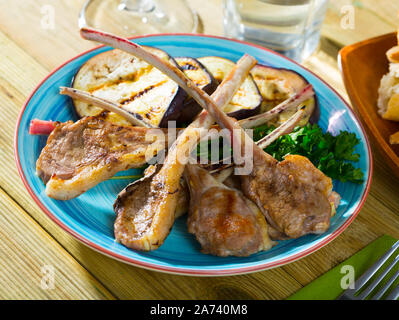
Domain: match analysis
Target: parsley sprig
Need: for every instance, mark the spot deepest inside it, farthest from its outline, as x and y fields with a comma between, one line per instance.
x=330, y=154
x=333, y=155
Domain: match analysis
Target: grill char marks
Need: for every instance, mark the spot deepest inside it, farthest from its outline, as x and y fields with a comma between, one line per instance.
x=80, y=155
x=222, y=219
x=188, y=66
x=194, y=70
x=139, y=94
x=117, y=77
x=292, y=194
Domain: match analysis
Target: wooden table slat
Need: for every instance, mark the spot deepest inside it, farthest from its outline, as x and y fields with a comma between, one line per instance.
x=28, y=253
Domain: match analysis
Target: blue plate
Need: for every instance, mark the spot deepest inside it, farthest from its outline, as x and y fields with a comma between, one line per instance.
x=90, y=217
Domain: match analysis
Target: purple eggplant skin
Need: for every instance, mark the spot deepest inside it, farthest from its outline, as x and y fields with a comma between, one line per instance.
x=315, y=117
x=174, y=109
x=190, y=107
x=295, y=80
x=189, y=111
x=249, y=101
x=177, y=105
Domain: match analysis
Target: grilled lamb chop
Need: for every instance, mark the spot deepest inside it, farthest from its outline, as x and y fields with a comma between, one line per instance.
x=293, y=194
x=224, y=221
x=80, y=155
x=146, y=210
x=307, y=190
x=224, y=172
x=59, y=165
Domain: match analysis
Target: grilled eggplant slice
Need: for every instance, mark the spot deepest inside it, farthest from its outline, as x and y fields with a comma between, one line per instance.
x=276, y=85
x=197, y=73
x=247, y=100
x=139, y=87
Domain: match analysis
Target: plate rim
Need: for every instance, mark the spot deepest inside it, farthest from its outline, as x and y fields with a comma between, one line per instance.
x=197, y=271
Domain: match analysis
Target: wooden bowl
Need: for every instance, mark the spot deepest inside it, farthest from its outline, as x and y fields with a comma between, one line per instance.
x=362, y=65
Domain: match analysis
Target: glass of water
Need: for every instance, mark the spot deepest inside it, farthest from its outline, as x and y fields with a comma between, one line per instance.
x=291, y=27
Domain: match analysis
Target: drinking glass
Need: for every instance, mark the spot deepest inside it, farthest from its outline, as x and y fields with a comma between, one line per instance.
x=291, y=27
x=135, y=17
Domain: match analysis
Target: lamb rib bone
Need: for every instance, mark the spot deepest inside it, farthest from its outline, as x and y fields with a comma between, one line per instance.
x=293, y=195
x=105, y=104
x=223, y=172
x=250, y=122
x=247, y=123
x=293, y=101
x=173, y=72
x=285, y=128
x=146, y=209
x=83, y=179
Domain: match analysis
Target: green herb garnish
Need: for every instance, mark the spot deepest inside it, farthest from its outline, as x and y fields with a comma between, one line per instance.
x=330, y=154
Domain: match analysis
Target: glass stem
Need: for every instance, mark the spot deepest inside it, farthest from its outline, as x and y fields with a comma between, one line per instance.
x=137, y=5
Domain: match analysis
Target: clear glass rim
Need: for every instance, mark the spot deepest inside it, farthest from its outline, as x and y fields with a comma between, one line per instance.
x=82, y=21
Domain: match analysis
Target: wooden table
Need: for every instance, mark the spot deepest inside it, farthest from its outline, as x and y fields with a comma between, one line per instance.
x=30, y=240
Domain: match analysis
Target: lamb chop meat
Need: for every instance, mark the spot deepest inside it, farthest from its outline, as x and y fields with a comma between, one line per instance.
x=223, y=174
x=286, y=190
x=134, y=118
x=56, y=164
x=224, y=221
x=292, y=194
x=146, y=210
x=79, y=155
x=308, y=184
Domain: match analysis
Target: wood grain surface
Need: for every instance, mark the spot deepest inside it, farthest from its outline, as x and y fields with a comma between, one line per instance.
x=30, y=240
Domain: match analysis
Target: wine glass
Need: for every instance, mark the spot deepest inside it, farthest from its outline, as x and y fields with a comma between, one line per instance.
x=136, y=17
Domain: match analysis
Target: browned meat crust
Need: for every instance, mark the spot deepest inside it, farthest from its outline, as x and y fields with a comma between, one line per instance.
x=292, y=194
x=79, y=155
x=224, y=222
